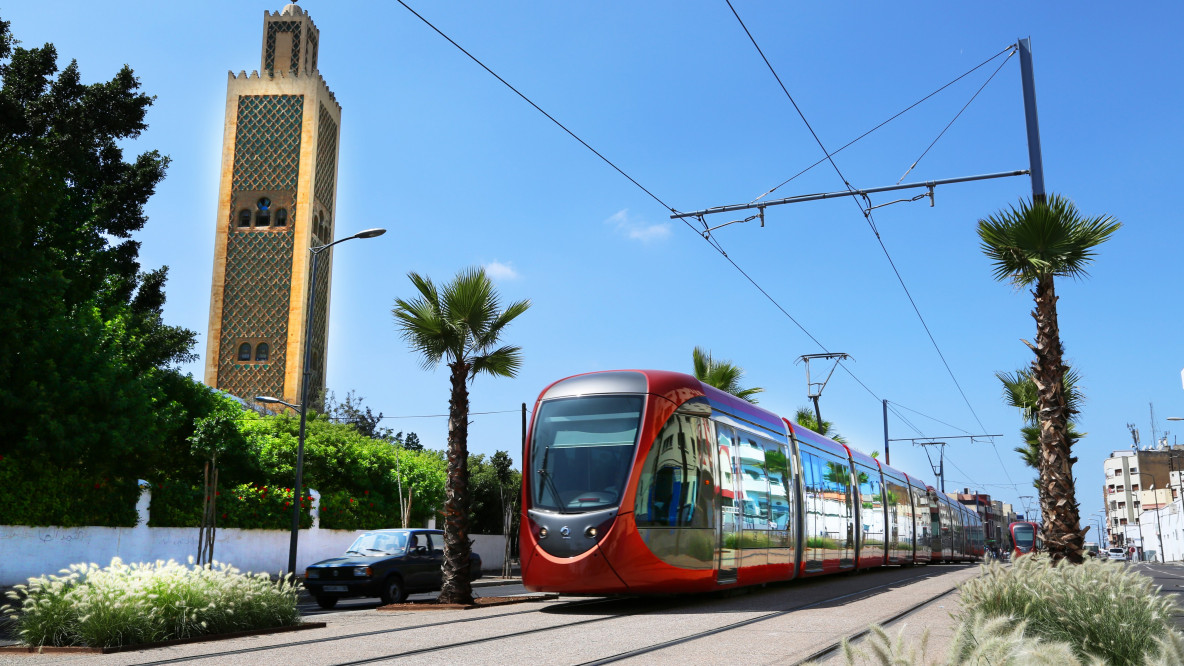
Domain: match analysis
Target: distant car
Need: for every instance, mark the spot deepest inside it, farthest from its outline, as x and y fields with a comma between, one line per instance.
x=388, y=564
x=1117, y=553
x=1103, y=554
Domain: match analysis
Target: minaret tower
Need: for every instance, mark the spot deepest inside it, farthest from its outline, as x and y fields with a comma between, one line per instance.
x=275, y=201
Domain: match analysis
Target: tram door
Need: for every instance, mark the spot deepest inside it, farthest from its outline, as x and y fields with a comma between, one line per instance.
x=730, y=504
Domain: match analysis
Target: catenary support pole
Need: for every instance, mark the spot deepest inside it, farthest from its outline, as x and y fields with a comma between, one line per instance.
x=887, y=455
x=1035, y=162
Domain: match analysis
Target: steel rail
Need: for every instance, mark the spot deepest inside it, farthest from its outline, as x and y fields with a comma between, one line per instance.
x=742, y=623
x=363, y=634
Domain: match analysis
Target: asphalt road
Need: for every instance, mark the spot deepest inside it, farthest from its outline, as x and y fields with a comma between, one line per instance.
x=1170, y=577
x=481, y=588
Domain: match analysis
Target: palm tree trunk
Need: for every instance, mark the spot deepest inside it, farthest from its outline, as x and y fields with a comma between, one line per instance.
x=456, y=588
x=1062, y=522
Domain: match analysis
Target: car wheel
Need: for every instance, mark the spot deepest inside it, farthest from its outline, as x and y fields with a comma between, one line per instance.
x=393, y=591
x=326, y=602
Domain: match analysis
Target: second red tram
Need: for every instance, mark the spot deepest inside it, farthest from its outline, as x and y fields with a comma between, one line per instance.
x=1025, y=538
x=644, y=481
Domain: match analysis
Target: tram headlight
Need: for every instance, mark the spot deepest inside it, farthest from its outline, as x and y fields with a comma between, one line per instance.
x=590, y=532
x=542, y=533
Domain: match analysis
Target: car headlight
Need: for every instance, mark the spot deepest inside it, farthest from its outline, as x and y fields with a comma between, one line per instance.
x=361, y=571
x=312, y=573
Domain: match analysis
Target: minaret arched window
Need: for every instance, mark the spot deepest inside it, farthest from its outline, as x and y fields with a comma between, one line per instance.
x=281, y=217
x=244, y=218
x=244, y=351
x=263, y=212
x=261, y=351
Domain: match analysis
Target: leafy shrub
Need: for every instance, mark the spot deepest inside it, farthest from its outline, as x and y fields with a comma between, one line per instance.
x=1102, y=609
x=342, y=511
x=245, y=506
x=64, y=496
x=143, y=603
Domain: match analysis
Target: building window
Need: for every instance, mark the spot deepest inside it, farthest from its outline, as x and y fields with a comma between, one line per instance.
x=259, y=212
x=281, y=217
x=244, y=218
x=1121, y=489
x=1134, y=470
x=244, y=351
x=1122, y=505
x=1134, y=487
x=261, y=351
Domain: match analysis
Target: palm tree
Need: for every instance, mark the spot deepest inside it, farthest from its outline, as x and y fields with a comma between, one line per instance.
x=805, y=417
x=722, y=375
x=1019, y=391
x=1029, y=246
x=459, y=325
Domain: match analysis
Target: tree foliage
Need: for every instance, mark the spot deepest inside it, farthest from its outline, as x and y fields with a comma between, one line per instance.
x=82, y=342
x=805, y=417
x=721, y=374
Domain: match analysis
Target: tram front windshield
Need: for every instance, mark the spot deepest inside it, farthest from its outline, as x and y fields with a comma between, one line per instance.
x=581, y=452
x=1024, y=536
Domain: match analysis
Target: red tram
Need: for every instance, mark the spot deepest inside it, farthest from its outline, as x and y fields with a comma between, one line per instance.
x=644, y=481
x=1026, y=538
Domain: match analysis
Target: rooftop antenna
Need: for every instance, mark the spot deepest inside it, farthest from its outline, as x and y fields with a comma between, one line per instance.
x=1134, y=436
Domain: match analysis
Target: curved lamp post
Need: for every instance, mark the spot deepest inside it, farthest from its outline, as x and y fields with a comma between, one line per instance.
x=303, y=406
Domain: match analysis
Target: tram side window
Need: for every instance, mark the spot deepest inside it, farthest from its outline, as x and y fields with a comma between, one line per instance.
x=780, y=500
x=814, y=498
x=755, y=483
x=675, y=486
x=873, y=505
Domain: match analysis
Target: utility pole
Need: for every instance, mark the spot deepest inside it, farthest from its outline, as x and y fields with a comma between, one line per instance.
x=939, y=470
x=1035, y=161
x=810, y=391
x=887, y=455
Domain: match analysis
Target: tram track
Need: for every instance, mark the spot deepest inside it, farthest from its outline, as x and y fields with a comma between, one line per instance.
x=866, y=592
x=860, y=634
x=361, y=634
x=651, y=607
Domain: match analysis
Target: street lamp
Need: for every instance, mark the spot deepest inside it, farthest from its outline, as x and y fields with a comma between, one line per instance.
x=303, y=406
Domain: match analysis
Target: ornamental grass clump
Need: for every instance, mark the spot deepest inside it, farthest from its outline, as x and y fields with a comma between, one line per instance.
x=1103, y=610
x=144, y=603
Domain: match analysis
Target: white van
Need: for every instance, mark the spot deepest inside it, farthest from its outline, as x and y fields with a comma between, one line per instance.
x=1117, y=553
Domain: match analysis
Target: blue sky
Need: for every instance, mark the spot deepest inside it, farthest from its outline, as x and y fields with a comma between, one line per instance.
x=463, y=172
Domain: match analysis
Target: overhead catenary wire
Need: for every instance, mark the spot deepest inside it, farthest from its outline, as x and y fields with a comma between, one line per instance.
x=867, y=214
x=890, y=119
x=714, y=243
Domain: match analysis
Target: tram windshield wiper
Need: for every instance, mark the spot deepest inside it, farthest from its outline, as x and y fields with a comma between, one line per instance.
x=545, y=474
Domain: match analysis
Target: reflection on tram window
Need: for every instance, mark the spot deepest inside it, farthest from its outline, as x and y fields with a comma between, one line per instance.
x=676, y=487
x=871, y=510
x=754, y=483
x=582, y=449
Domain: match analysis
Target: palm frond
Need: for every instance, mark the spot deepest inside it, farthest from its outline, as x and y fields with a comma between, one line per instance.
x=1051, y=238
x=502, y=362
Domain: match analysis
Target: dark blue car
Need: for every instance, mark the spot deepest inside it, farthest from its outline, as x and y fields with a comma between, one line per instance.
x=389, y=564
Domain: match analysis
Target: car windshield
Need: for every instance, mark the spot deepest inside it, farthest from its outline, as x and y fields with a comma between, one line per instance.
x=377, y=544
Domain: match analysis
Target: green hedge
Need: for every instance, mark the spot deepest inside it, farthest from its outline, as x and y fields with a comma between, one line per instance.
x=244, y=506
x=64, y=497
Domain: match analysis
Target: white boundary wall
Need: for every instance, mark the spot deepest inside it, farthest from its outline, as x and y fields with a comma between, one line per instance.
x=27, y=552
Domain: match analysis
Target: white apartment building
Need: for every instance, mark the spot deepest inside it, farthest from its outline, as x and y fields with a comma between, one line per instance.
x=1138, y=481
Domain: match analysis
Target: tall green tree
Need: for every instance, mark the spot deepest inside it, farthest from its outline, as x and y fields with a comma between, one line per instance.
x=723, y=375
x=1029, y=246
x=805, y=417
x=461, y=326
x=82, y=341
